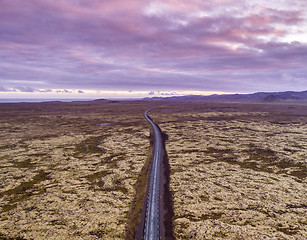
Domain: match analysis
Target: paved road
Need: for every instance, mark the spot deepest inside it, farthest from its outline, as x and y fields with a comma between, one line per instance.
x=152, y=219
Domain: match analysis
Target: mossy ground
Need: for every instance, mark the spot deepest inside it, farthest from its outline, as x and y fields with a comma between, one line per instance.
x=238, y=171
x=64, y=173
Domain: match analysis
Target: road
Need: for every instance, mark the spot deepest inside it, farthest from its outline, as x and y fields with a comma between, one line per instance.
x=152, y=218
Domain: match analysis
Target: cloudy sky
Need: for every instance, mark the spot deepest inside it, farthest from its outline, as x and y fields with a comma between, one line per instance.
x=151, y=47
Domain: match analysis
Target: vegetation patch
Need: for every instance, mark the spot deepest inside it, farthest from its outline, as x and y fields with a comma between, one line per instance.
x=211, y=215
x=238, y=170
x=99, y=233
x=23, y=187
x=97, y=175
x=289, y=230
x=60, y=221
x=24, y=164
x=24, y=190
x=99, y=164
x=5, y=237
x=90, y=145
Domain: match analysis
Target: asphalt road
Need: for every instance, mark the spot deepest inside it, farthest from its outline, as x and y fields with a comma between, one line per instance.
x=152, y=219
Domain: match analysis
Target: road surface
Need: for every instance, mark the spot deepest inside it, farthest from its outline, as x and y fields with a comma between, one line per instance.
x=152, y=218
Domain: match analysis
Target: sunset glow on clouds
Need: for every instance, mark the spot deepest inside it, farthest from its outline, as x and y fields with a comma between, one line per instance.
x=150, y=46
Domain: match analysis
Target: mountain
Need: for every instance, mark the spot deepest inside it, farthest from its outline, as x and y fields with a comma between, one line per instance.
x=259, y=96
x=271, y=98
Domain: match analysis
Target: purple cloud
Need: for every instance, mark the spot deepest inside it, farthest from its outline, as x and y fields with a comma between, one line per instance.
x=236, y=46
x=24, y=89
x=2, y=89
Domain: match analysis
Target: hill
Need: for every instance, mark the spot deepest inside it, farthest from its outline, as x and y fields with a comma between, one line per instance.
x=259, y=96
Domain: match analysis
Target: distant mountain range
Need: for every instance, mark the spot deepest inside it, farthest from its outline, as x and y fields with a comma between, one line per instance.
x=259, y=96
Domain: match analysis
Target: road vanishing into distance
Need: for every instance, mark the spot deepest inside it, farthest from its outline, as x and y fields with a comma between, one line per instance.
x=152, y=218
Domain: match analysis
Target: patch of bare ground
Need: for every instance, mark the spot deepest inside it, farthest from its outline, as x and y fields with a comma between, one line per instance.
x=65, y=173
x=237, y=172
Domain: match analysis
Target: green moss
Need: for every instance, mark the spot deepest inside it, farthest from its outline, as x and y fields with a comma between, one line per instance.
x=96, y=179
x=29, y=209
x=96, y=175
x=219, y=234
x=112, y=160
x=219, y=151
x=24, y=164
x=8, y=207
x=90, y=145
x=37, y=155
x=117, y=187
x=99, y=233
x=100, y=183
x=190, y=151
x=217, y=199
x=287, y=230
x=258, y=154
x=262, y=160
x=24, y=190
x=23, y=187
x=211, y=215
x=301, y=174
x=204, y=198
x=5, y=237
x=7, y=146
x=60, y=221
x=181, y=230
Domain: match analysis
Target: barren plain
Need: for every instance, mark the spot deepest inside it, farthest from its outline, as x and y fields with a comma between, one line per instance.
x=69, y=170
x=238, y=171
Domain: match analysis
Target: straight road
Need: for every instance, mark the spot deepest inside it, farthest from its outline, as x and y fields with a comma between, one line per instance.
x=152, y=219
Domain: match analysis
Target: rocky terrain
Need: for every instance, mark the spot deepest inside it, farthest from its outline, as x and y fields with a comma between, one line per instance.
x=68, y=170
x=73, y=170
x=237, y=174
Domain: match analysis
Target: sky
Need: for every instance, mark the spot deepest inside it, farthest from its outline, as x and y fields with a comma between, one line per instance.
x=139, y=48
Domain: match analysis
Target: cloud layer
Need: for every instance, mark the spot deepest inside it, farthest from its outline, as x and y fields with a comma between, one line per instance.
x=220, y=45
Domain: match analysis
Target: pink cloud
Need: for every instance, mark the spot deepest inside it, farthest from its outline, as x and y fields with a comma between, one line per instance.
x=117, y=44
